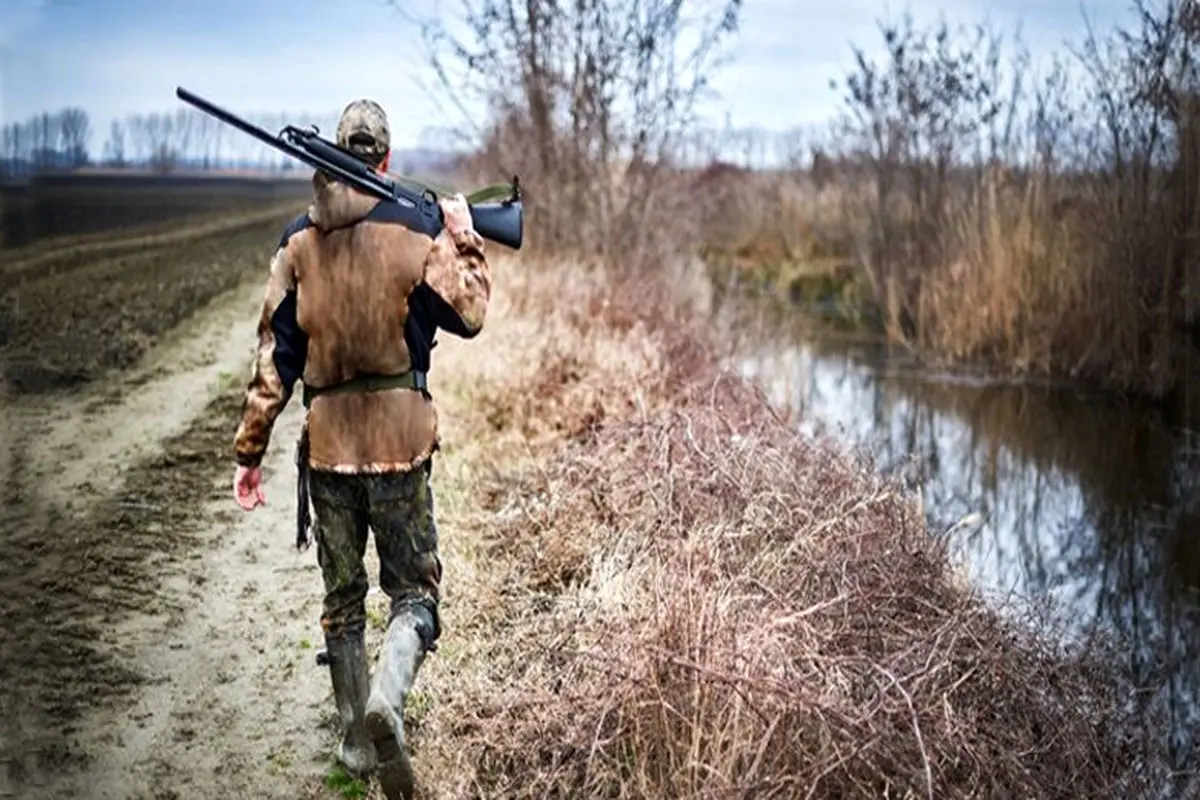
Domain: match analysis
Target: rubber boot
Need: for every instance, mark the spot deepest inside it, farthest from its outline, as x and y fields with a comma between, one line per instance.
x=399, y=660
x=351, y=685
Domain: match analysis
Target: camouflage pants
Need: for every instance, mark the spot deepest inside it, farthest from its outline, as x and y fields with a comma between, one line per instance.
x=398, y=508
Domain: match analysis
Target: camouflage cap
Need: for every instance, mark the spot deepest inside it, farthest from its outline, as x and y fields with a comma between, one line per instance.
x=363, y=130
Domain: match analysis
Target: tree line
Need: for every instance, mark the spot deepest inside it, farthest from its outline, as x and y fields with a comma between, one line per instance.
x=163, y=141
x=166, y=141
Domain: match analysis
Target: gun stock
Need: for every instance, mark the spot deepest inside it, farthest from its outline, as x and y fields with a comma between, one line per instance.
x=500, y=221
x=503, y=223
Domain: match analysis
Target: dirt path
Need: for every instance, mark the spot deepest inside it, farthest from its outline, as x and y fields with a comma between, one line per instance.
x=236, y=706
x=109, y=543
x=233, y=705
x=68, y=466
x=160, y=643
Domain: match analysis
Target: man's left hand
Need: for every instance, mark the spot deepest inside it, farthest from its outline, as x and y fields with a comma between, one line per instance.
x=456, y=214
x=247, y=488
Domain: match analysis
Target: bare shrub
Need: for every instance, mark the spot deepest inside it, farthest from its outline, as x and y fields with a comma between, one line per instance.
x=589, y=102
x=605, y=348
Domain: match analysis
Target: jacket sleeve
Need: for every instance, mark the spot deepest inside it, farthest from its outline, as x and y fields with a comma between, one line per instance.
x=458, y=273
x=278, y=363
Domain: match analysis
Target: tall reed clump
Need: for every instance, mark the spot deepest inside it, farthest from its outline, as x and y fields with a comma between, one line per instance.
x=1041, y=222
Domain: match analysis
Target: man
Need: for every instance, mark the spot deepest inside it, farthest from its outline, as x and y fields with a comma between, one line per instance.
x=353, y=301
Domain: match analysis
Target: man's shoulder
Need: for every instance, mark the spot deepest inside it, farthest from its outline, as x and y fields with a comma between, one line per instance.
x=300, y=223
x=412, y=220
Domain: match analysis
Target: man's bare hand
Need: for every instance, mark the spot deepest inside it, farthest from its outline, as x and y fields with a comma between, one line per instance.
x=456, y=214
x=247, y=488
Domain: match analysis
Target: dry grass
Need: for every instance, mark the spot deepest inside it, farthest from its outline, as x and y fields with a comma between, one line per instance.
x=601, y=350
x=1027, y=272
x=1007, y=233
x=673, y=594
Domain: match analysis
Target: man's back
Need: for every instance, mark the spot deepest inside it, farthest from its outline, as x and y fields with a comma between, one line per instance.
x=355, y=270
x=353, y=302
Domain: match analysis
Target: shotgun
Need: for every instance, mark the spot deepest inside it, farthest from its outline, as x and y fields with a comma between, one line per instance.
x=501, y=221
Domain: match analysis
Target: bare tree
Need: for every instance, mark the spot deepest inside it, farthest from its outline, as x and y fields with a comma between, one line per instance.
x=22, y=137
x=181, y=130
x=45, y=140
x=8, y=142
x=115, y=147
x=1146, y=81
x=591, y=100
x=75, y=131
x=932, y=106
x=9, y=138
x=139, y=146
x=205, y=128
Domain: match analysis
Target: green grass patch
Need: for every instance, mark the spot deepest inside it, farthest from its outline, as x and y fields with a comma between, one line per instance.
x=342, y=782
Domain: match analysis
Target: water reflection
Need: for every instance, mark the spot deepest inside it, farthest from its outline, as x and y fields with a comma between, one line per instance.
x=1091, y=502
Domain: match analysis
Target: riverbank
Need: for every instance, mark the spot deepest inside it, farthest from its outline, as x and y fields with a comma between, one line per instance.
x=657, y=588
x=1024, y=275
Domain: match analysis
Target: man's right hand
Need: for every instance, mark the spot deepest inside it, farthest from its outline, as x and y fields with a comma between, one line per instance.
x=247, y=488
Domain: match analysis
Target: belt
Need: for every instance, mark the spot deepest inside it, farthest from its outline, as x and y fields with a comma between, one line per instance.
x=412, y=379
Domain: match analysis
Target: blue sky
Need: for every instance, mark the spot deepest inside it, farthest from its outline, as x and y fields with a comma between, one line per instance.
x=115, y=57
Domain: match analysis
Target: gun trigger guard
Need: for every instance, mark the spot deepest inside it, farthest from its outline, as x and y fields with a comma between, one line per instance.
x=429, y=208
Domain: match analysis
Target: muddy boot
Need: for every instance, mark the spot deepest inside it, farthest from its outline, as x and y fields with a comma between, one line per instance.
x=351, y=685
x=401, y=656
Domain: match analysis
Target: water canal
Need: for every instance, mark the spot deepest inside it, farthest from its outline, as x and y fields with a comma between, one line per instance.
x=1086, y=501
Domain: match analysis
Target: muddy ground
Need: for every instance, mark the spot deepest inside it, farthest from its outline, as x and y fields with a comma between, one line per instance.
x=158, y=642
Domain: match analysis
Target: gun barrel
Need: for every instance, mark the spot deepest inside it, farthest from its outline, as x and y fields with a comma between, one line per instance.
x=229, y=118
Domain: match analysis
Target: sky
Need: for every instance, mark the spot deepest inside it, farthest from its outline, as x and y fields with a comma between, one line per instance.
x=116, y=57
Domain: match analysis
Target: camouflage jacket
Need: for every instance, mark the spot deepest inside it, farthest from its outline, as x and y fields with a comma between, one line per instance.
x=352, y=291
